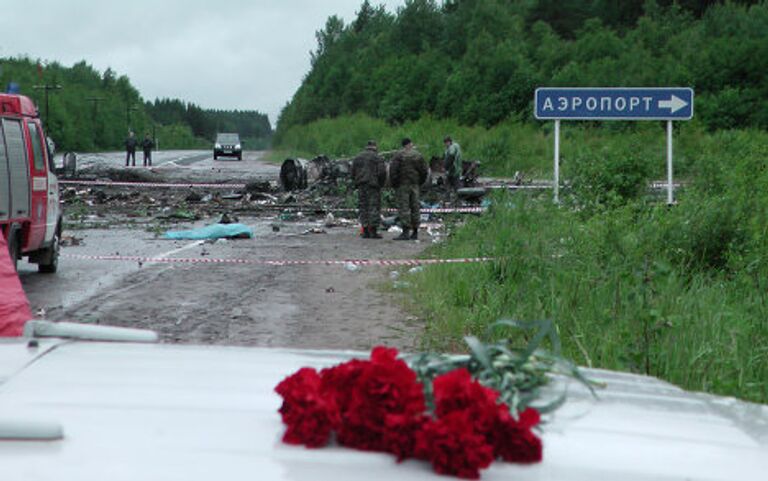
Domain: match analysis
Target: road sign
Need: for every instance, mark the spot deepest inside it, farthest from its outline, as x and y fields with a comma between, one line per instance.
x=614, y=103
x=662, y=103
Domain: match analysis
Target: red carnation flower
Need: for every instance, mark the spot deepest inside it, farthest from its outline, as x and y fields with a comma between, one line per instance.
x=453, y=446
x=379, y=405
x=392, y=385
x=513, y=440
x=456, y=391
x=400, y=434
x=338, y=382
x=308, y=416
x=367, y=392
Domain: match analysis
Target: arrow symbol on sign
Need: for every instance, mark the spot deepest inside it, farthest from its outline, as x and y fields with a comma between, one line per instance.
x=674, y=104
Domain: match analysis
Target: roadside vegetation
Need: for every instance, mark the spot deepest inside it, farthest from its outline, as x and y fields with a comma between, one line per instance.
x=676, y=292
x=509, y=147
x=505, y=148
x=632, y=284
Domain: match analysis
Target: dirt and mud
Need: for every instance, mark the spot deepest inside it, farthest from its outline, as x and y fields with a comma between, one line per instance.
x=312, y=306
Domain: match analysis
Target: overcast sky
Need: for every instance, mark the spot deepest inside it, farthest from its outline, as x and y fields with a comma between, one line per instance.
x=230, y=54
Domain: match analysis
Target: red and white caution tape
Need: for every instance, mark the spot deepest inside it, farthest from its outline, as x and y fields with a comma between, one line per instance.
x=281, y=262
x=188, y=185
x=449, y=210
x=425, y=210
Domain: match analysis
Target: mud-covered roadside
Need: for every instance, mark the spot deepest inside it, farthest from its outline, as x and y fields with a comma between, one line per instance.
x=293, y=306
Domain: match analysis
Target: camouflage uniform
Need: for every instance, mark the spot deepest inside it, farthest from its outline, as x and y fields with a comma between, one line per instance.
x=453, y=167
x=369, y=175
x=408, y=172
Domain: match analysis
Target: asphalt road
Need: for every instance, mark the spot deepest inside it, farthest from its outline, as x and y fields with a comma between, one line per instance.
x=291, y=306
x=191, y=165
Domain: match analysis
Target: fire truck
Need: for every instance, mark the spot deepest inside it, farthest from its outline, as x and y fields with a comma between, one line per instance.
x=30, y=215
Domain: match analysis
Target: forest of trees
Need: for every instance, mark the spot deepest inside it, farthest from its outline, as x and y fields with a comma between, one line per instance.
x=479, y=61
x=250, y=124
x=93, y=110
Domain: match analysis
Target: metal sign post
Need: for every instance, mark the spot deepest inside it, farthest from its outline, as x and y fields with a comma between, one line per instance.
x=557, y=162
x=614, y=103
x=670, y=189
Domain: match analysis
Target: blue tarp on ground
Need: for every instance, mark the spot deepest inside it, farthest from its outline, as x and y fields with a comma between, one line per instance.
x=215, y=231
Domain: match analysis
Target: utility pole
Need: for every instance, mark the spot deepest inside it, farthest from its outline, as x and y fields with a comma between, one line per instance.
x=128, y=109
x=47, y=88
x=95, y=101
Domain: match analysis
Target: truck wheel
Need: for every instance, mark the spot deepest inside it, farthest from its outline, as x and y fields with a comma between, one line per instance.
x=50, y=263
x=13, y=248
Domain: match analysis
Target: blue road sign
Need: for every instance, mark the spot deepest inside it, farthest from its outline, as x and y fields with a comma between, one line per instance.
x=663, y=103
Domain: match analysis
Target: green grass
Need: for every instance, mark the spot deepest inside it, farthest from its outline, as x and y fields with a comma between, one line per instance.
x=507, y=148
x=618, y=297
x=632, y=284
x=277, y=156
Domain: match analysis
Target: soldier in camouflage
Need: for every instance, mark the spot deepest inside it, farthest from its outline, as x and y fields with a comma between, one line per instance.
x=408, y=172
x=369, y=175
x=453, y=167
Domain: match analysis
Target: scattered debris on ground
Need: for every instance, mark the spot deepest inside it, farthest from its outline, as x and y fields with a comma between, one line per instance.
x=315, y=230
x=70, y=240
x=328, y=202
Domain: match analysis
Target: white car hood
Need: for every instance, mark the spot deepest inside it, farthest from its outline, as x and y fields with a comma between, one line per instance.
x=186, y=413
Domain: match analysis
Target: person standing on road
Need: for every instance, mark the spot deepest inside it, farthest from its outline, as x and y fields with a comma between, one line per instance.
x=408, y=172
x=147, y=146
x=130, y=148
x=369, y=175
x=453, y=166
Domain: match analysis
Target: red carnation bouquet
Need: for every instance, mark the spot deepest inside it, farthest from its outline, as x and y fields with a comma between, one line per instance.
x=457, y=412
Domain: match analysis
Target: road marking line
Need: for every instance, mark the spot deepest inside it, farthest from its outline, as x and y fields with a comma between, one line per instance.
x=180, y=249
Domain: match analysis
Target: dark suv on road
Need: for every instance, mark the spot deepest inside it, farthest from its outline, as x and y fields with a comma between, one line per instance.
x=227, y=145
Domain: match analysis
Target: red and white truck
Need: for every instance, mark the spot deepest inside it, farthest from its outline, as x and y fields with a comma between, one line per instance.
x=30, y=215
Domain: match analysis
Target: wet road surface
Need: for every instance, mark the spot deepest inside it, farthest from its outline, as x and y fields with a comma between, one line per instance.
x=288, y=306
x=191, y=165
